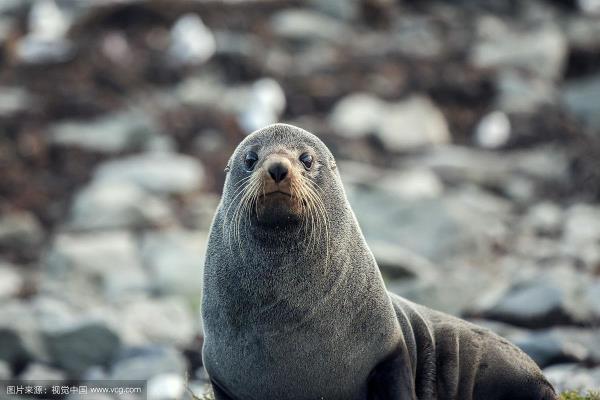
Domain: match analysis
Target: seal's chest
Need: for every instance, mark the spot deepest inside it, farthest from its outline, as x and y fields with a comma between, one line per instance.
x=277, y=367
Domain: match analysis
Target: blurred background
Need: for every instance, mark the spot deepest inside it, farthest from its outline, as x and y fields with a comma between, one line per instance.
x=467, y=134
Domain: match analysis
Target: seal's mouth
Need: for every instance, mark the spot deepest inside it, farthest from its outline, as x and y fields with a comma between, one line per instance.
x=277, y=192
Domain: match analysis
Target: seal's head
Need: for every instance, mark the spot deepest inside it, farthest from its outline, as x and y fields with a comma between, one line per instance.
x=276, y=180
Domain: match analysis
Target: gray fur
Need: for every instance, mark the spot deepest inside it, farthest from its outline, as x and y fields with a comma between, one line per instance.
x=283, y=322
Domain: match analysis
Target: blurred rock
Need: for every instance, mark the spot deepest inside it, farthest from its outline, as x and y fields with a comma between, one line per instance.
x=544, y=218
x=104, y=265
x=158, y=321
x=155, y=172
x=192, y=42
x=554, y=297
x=581, y=97
x=567, y=377
x=175, y=260
x=396, y=262
x=357, y=115
x=78, y=346
x=11, y=281
x=20, y=230
x=552, y=347
x=166, y=387
x=493, y=131
x=342, y=9
x=591, y=7
x=539, y=50
x=14, y=100
x=304, y=26
x=114, y=133
x=436, y=229
x=37, y=372
x=265, y=105
x=5, y=372
x=417, y=37
x=144, y=363
x=412, y=123
x=412, y=184
x=114, y=205
x=520, y=93
x=45, y=42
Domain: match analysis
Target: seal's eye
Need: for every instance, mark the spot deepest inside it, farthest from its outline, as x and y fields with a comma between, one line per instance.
x=250, y=160
x=307, y=160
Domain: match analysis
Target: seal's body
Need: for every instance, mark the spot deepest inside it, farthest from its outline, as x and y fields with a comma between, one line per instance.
x=294, y=305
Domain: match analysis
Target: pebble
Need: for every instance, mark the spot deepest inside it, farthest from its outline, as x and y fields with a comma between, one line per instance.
x=192, y=42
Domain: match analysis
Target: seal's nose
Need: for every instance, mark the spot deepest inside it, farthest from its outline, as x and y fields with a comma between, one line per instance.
x=278, y=171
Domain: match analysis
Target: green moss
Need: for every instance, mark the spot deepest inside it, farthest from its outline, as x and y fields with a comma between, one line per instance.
x=592, y=395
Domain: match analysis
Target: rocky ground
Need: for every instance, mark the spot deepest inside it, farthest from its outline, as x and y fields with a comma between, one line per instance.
x=468, y=136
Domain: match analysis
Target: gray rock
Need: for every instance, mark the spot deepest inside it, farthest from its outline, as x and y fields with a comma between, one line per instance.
x=342, y=9
x=417, y=37
x=46, y=40
x=544, y=299
x=174, y=260
x=265, y=105
x=581, y=97
x=580, y=237
x=412, y=123
x=591, y=7
x=20, y=229
x=11, y=281
x=13, y=99
x=76, y=347
x=20, y=339
x=5, y=371
x=102, y=265
x=110, y=134
x=114, y=205
x=396, y=262
x=156, y=172
x=305, y=25
x=566, y=377
x=166, y=321
x=544, y=218
x=551, y=347
x=540, y=50
x=520, y=93
x=583, y=33
x=192, y=42
x=437, y=229
x=143, y=363
x=357, y=115
x=592, y=297
x=37, y=372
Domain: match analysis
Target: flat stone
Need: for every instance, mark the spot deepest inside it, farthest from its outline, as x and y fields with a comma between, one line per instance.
x=100, y=265
x=20, y=229
x=114, y=205
x=143, y=363
x=11, y=282
x=581, y=98
x=81, y=345
x=567, y=377
x=113, y=133
x=156, y=172
x=307, y=25
x=174, y=260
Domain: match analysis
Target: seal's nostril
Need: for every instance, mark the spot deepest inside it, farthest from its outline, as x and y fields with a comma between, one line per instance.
x=278, y=172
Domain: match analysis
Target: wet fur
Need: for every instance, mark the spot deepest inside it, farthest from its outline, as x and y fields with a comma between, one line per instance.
x=298, y=310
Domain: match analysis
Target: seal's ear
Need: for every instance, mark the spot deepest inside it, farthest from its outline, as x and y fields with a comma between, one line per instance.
x=332, y=164
x=227, y=168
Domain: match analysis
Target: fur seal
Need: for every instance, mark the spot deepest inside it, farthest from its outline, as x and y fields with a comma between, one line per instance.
x=294, y=306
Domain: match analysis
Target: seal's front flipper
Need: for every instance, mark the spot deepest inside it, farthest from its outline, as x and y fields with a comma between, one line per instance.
x=392, y=379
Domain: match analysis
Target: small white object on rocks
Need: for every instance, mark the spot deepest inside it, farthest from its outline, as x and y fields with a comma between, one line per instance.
x=46, y=41
x=166, y=387
x=192, y=42
x=356, y=115
x=493, y=131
